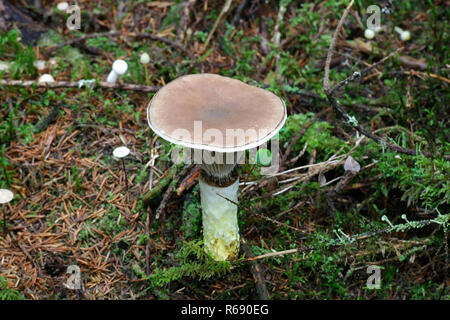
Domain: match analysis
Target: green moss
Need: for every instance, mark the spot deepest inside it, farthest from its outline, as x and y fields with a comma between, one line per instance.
x=7, y=293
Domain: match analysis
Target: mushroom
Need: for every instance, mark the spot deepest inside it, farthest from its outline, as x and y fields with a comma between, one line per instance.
x=62, y=6
x=121, y=153
x=405, y=35
x=4, y=66
x=217, y=118
x=46, y=78
x=39, y=64
x=145, y=58
x=119, y=67
x=369, y=34
x=5, y=197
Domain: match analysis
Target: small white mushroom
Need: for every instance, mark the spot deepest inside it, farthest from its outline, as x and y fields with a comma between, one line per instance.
x=52, y=62
x=369, y=34
x=6, y=196
x=145, y=58
x=119, y=67
x=39, y=64
x=4, y=66
x=46, y=78
x=121, y=152
x=405, y=35
x=62, y=6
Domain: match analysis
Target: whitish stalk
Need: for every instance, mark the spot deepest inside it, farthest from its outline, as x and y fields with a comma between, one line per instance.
x=220, y=224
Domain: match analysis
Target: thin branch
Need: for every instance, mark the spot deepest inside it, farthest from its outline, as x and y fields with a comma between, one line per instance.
x=170, y=190
x=76, y=84
x=326, y=86
x=147, y=242
x=278, y=253
x=225, y=9
x=257, y=272
x=237, y=15
x=358, y=237
x=363, y=72
x=184, y=19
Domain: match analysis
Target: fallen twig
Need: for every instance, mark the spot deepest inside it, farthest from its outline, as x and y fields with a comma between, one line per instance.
x=257, y=273
x=278, y=253
x=358, y=237
x=225, y=9
x=326, y=86
x=147, y=242
x=76, y=84
x=181, y=29
x=237, y=15
x=189, y=180
x=163, y=182
x=357, y=75
x=52, y=115
x=277, y=35
x=169, y=190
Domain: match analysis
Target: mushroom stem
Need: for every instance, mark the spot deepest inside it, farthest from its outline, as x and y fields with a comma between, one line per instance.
x=112, y=77
x=219, y=185
x=4, y=221
x=119, y=68
x=398, y=30
x=125, y=172
x=220, y=224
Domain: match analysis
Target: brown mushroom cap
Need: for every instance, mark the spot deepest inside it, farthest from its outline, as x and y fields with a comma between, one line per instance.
x=223, y=105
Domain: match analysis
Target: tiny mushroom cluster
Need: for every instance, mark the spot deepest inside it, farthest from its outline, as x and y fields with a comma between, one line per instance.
x=370, y=33
x=210, y=115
